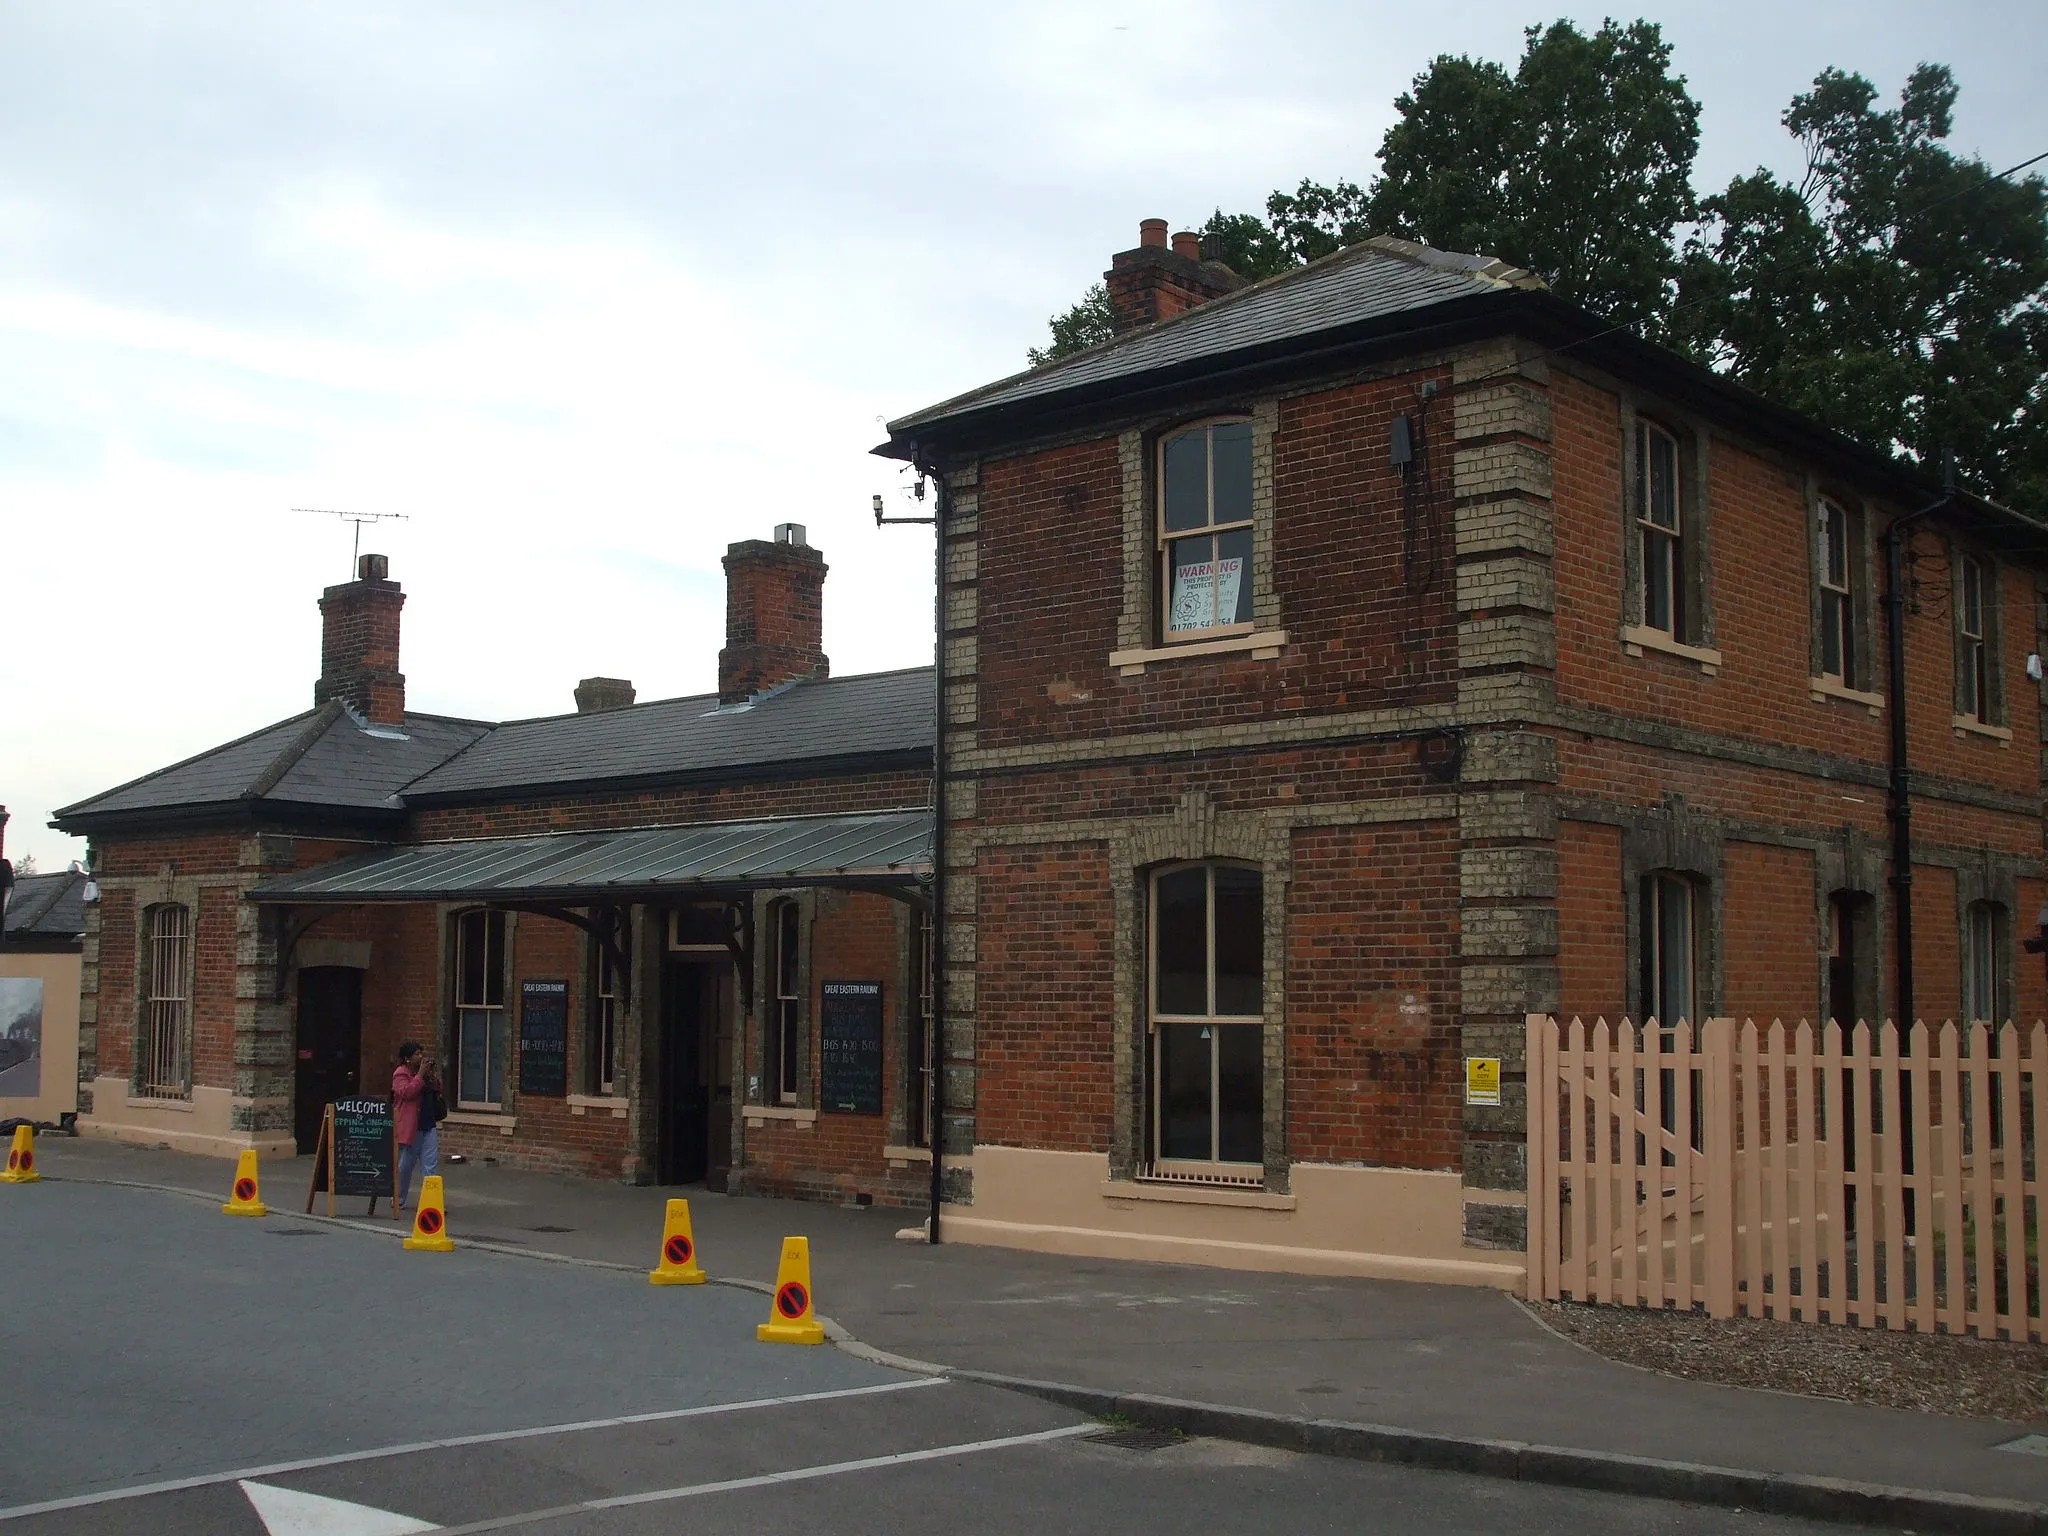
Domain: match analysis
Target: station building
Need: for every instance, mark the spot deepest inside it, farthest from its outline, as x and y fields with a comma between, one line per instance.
x=1336, y=670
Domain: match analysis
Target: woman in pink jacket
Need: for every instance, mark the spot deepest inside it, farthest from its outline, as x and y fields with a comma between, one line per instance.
x=415, y=1111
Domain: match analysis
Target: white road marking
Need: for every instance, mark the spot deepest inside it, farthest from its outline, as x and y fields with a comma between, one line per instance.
x=771, y=1479
x=308, y=1463
x=287, y=1512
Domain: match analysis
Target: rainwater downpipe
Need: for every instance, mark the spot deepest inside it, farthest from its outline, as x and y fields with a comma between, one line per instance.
x=935, y=1128
x=1899, y=795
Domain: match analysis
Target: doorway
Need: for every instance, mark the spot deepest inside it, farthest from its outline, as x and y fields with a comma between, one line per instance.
x=330, y=1046
x=689, y=1014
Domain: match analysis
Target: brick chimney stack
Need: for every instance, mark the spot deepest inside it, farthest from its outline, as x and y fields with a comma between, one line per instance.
x=595, y=695
x=774, y=615
x=359, y=644
x=1157, y=280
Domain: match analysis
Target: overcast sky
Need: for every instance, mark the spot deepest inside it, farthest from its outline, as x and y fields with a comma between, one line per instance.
x=585, y=292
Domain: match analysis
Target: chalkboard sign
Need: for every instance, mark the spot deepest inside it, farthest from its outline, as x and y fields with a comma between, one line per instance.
x=544, y=1038
x=355, y=1155
x=850, y=1048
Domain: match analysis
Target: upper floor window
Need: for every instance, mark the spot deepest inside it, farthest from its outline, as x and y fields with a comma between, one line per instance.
x=482, y=1046
x=1661, y=531
x=167, y=1014
x=1207, y=1004
x=786, y=1041
x=1207, y=572
x=1837, y=563
x=1976, y=641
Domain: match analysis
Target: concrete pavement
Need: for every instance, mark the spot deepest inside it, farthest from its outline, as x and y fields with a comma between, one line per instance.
x=1430, y=1360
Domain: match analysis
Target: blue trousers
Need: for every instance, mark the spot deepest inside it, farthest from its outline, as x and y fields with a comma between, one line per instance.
x=422, y=1155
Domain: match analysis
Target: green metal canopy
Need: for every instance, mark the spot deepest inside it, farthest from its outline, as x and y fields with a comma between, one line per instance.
x=576, y=868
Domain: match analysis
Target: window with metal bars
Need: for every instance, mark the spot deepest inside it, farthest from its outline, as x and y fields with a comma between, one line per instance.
x=786, y=1044
x=604, y=1021
x=1206, y=993
x=482, y=1049
x=167, y=1015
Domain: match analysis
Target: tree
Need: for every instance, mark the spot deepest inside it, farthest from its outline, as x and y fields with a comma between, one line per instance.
x=1898, y=293
x=1088, y=324
x=24, y=866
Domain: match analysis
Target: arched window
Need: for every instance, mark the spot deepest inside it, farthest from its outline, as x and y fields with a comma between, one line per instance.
x=1207, y=573
x=1206, y=1004
x=167, y=1010
x=1669, y=969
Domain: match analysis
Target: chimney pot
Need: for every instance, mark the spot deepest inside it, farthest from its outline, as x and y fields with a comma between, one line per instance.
x=595, y=695
x=359, y=644
x=774, y=615
x=1189, y=244
x=1154, y=282
x=1152, y=232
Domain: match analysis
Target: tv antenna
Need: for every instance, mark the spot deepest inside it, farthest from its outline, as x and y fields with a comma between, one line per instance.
x=358, y=518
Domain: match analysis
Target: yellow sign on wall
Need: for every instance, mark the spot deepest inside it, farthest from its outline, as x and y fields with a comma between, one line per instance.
x=1482, y=1079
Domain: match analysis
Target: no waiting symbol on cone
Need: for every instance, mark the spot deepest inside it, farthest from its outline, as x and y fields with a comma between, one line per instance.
x=791, y=1300
x=245, y=1189
x=430, y=1221
x=677, y=1249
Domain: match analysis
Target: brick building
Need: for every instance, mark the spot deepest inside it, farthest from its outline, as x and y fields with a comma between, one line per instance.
x=668, y=942
x=1337, y=669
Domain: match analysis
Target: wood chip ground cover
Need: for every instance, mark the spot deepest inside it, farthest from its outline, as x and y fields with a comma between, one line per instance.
x=1939, y=1373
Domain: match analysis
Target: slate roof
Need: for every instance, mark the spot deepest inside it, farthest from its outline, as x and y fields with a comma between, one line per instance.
x=328, y=758
x=47, y=907
x=868, y=848
x=876, y=714
x=330, y=761
x=1380, y=278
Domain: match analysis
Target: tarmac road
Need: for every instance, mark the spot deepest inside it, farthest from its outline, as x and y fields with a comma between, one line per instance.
x=171, y=1370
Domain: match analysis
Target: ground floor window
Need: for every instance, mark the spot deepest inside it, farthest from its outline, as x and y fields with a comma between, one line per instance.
x=166, y=1053
x=1668, y=971
x=786, y=1044
x=604, y=1023
x=1206, y=1027
x=1981, y=925
x=481, y=1047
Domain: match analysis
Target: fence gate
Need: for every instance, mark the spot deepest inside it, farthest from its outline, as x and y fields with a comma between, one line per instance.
x=1823, y=1175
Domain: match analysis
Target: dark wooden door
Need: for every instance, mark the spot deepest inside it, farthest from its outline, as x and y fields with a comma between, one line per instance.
x=686, y=1000
x=330, y=1045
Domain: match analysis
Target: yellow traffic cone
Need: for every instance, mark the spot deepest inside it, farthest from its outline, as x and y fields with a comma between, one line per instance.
x=430, y=1223
x=245, y=1202
x=678, y=1250
x=793, y=1320
x=21, y=1158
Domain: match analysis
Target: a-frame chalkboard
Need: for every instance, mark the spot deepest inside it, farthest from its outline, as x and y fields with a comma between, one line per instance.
x=357, y=1154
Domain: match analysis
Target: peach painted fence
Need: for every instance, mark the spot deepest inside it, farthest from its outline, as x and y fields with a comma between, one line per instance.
x=1824, y=1175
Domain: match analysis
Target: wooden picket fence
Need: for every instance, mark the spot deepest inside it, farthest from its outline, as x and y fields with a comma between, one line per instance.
x=1824, y=1175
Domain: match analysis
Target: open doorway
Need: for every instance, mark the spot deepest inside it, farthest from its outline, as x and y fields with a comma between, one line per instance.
x=329, y=1047
x=686, y=1071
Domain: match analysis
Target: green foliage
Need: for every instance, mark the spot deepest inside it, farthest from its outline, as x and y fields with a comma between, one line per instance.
x=1244, y=243
x=1898, y=294
x=1087, y=324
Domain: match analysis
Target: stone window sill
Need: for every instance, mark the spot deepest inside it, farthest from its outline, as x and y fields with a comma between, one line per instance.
x=1825, y=688
x=1195, y=1194
x=1638, y=638
x=1263, y=645
x=761, y=1114
x=584, y=1103
x=504, y=1124
x=1969, y=725
x=897, y=1157
x=143, y=1101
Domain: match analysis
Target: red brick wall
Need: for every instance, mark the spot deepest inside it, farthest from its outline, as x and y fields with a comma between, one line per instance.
x=1373, y=1070
x=1592, y=932
x=1770, y=944
x=656, y=808
x=1045, y=997
x=116, y=1028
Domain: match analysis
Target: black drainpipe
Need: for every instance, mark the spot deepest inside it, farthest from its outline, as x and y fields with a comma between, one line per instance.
x=1899, y=797
x=935, y=1128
